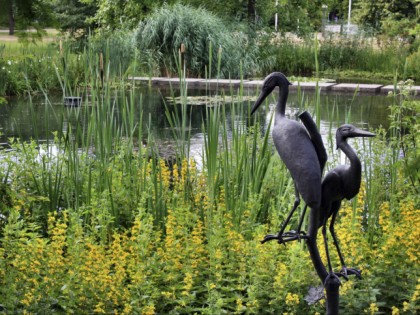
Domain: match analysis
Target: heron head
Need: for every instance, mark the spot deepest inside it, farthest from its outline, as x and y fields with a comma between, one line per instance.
x=270, y=82
x=350, y=131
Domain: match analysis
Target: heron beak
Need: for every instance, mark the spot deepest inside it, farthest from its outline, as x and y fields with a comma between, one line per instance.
x=362, y=133
x=259, y=101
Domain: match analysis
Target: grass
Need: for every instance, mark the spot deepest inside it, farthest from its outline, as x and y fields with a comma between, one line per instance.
x=51, y=35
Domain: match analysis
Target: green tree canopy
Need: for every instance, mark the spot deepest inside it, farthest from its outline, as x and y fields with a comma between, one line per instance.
x=114, y=14
x=27, y=14
x=392, y=17
x=74, y=15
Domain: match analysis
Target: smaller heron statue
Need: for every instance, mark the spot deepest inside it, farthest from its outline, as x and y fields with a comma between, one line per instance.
x=342, y=182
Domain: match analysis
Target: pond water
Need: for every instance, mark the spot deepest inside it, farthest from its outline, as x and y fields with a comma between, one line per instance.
x=19, y=119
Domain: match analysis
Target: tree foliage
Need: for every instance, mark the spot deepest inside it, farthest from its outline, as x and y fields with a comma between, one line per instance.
x=27, y=14
x=392, y=17
x=75, y=15
x=114, y=14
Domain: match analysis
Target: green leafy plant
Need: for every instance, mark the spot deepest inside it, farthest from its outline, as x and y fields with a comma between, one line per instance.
x=192, y=31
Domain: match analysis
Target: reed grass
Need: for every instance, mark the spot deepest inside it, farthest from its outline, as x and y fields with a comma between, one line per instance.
x=338, y=57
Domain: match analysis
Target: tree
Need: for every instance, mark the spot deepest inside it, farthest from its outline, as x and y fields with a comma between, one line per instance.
x=113, y=14
x=75, y=15
x=27, y=14
x=228, y=9
x=391, y=17
x=296, y=15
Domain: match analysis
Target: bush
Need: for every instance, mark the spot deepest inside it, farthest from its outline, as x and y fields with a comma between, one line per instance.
x=27, y=72
x=284, y=54
x=413, y=65
x=206, y=38
x=117, y=47
x=360, y=53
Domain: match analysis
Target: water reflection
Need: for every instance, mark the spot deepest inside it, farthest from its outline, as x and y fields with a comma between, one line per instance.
x=21, y=120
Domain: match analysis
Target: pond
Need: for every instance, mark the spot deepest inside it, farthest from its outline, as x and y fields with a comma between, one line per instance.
x=21, y=120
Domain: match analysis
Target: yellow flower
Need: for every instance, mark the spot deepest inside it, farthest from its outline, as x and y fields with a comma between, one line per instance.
x=168, y=295
x=99, y=309
x=211, y=286
x=395, y=311
x=372, y=309
x=218, y=254
x=292, y=299
x=239, y=306
x=149, y=310
x=128, y=309
x=188, y=281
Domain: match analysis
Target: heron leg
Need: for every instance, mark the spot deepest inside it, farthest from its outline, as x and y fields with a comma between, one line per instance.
x=282, y=237
x=344, y=270
x=302, y=217
x=331, y=273
x=298, y=234
x=324, y=234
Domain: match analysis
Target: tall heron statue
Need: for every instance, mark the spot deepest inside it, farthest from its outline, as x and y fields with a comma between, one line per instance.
x=342, y=182
x=300, y=148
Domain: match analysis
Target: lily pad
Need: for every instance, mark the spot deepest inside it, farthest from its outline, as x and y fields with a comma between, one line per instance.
x=215, y=100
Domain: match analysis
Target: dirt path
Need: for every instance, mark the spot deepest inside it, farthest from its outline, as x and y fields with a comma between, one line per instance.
x=6, y=38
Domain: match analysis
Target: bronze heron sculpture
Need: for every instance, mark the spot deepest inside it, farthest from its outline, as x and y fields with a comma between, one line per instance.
x=342, y=182
x=300, y=148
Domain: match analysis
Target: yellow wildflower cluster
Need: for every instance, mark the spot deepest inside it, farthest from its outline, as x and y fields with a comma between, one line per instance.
x=201, y=195
x=149, y=310
x=280, y=277
x=395, y=311
x=401, y=236
x=349, y=232
x=384, y=217
x=205, y=259
x=165, y=173
x=373, y=308
x=292, y=299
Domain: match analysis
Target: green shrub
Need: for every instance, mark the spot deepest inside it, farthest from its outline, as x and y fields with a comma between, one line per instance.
x=360, y=53
x=413, y=65
x=206, y=38
x=117, y=48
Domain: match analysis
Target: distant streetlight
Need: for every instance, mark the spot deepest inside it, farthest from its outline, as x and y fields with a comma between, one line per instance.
x=349, y=17
x=324, y=18
x=276, y=17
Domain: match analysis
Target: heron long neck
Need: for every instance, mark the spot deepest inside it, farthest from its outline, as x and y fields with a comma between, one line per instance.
x=355, y=166
x=281, y=102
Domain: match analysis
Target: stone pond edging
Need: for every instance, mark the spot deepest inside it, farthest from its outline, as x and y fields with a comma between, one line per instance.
x=341, y=88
